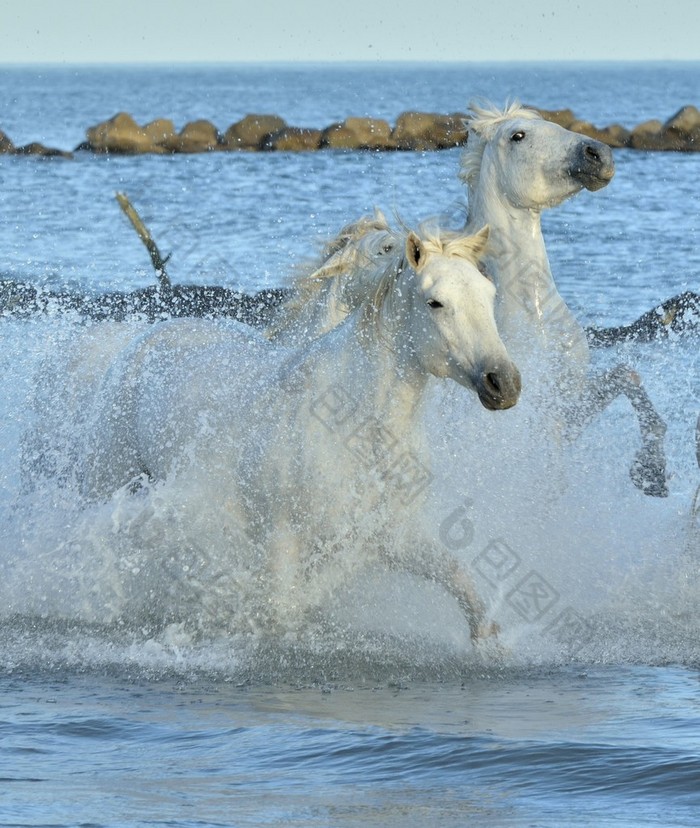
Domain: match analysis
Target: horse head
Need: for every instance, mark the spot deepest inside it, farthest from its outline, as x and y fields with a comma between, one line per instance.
x=532, y=163
x=452, y=330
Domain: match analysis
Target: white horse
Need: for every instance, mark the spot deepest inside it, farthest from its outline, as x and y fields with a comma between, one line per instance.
x=516, y=164
x=273, y=430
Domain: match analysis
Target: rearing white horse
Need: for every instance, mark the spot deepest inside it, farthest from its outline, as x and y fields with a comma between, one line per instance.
x=517, y=164
x=274, y=431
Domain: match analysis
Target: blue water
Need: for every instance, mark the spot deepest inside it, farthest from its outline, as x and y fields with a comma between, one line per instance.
x=573, y=747
x=377, y=714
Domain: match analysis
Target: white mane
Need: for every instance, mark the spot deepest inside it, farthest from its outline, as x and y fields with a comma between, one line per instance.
x=318, y=284
x=310, y=278
x=483, y=123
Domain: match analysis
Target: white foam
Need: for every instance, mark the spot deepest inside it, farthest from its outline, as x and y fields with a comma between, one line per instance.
x=161, y=578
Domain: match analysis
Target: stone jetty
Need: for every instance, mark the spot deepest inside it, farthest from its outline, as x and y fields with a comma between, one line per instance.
x=413, y=131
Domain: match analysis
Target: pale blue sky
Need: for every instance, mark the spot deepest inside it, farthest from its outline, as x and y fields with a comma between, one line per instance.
x=79, y=31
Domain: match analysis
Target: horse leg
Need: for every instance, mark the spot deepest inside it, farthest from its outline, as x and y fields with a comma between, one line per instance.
x=648, y=471
x=432, y=563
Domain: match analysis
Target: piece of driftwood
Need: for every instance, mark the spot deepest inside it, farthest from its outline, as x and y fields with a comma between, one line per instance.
x=143, y=233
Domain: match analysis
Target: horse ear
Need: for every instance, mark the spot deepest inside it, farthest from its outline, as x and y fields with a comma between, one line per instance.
x=379, y=217
x=478, y=243
x=415, y=252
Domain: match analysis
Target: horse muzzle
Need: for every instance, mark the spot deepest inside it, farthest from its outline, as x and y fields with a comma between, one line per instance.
x=592, y=164
x=499, y=388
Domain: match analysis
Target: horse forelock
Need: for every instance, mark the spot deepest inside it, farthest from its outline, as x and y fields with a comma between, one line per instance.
x=486, y=117
x=463, y=248
x=434, y=240
x=482, y=125
x=449, y=243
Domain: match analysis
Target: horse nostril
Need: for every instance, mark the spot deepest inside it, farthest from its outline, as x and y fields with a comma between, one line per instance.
x=592, y=164
x=500, y=388
x=593, y=154
x=493, y=382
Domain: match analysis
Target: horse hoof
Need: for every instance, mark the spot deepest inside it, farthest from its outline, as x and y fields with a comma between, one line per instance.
x=649, y=475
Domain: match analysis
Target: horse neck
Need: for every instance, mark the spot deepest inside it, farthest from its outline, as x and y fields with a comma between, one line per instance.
x=518, y=259
x=368, y=365
x=529, y=308
x=310, y=317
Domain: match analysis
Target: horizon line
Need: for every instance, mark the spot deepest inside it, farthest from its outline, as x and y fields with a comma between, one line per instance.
x=365, y=62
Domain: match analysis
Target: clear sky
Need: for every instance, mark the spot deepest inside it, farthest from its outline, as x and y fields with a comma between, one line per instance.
x=106, y=31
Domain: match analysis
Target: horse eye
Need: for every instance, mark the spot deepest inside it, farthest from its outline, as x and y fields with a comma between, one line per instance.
x=387, y=248
x=517, y=136
x=433, y=303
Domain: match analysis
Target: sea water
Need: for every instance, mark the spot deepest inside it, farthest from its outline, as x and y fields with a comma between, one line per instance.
x=134, y=692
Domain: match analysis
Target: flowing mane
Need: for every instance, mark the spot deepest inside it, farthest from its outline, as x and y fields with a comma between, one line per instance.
x=319, y=290
x=483, y=122
x=333, y=260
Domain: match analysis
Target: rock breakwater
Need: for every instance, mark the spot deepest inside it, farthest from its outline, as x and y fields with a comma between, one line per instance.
x=413, y=131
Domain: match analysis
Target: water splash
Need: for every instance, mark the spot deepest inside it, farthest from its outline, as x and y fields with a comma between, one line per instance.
x=573, y=562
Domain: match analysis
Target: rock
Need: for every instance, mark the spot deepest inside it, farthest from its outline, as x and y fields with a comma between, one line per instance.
x=6, y=146
x=39, y=149
x=614, y=135
x=427, y=130
x=161, y=133
x=682, y=130
x=119, y=135
x=647, y=136
x=563, y=117
x=293, y=139
x=359, y=133
x=686, y=121
x=250, y=132
x=198, y=136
